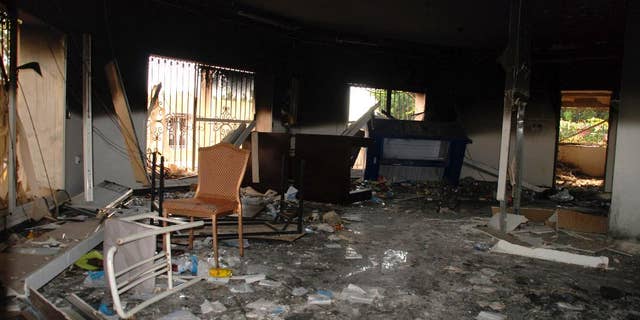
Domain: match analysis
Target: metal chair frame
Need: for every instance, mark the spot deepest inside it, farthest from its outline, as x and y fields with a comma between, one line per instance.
x=161, y=262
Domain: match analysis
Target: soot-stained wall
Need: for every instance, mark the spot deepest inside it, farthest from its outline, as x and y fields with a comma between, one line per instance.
x=624, y=218
x=323, y=69
x=481, y=103
x=461, y=84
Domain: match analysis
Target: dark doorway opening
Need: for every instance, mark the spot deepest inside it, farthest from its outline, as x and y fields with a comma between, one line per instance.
x=583, y=140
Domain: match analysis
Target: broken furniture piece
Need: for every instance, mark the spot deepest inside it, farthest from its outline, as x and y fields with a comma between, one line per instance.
x=23, y=272
x=558, y=218
x=39, y=260
x=160, y=185
x=123, y=113
x=328, y=160
x=415, y=150
x=123, y=280
x=239, y=135
x=361, y=122
x=220, y=171
x=106, y=195
x=291, y=173
x=36, y=209
x=87, y=311
x=252, y=227
x=327, y=178
x=581, y=222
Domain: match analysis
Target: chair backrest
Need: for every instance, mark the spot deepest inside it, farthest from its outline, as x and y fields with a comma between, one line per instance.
x=220, y=171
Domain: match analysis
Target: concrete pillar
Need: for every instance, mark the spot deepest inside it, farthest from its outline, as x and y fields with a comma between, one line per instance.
x=624, y=219
x=611, y=145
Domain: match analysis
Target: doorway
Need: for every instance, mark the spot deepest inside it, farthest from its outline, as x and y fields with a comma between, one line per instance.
x=583, y=138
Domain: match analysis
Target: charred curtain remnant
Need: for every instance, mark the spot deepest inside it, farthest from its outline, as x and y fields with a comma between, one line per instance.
x=196, y=106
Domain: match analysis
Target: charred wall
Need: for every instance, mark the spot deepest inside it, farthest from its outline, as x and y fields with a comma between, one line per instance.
x=462, y=85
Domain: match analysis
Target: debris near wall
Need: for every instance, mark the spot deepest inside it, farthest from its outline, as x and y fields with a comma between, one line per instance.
x=578, y=190
x=569, y=176
x=589, y=198
x=555, y=234
x=387, y=262
x=439, y=194
x=353, y=261
x=468, y=189
x=172, y=171
x=254, y=202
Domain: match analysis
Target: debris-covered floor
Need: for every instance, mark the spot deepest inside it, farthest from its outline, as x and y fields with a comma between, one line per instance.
x=403, y=260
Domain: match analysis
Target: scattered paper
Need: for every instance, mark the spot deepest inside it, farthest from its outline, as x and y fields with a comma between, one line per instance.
x=240, y=288
x=299, y=291
x=352, y=254
x=180, y=315
x=270, y=283
x=254, y=278
x=571, y=307
x=215, y=307
x=513, y=221
x=325, y=227
x=355, y=294
x=550, y=255
x=483, y=315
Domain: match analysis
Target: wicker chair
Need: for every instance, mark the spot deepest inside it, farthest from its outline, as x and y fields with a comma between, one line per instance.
x=220, y=171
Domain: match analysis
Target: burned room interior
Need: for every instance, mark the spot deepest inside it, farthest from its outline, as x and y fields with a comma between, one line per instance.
x=244, y=159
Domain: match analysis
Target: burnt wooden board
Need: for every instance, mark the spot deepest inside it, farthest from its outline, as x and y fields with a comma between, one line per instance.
x=327, y=164
x=582, y=222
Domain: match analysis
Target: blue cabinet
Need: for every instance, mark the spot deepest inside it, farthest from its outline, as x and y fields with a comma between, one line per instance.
x=415, y=150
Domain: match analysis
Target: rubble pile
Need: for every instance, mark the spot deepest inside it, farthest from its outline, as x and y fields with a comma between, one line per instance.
x=569, y=176
x=383, y=262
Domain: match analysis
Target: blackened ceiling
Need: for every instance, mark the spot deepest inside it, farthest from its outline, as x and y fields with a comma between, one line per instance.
x=557, y=24
x=435, y=22
x=403, y=44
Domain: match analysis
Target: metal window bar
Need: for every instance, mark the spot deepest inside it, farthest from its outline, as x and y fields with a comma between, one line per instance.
x=201, y=104
x=399, y=104
x=403, y=104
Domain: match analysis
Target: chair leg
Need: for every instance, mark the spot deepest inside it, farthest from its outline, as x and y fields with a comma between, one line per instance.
x=164, y=224
x=191, y=237
x=214, y=231
x=240, y=241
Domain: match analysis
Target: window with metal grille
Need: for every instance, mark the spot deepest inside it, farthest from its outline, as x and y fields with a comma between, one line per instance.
x=401, y=105
x=197, y=106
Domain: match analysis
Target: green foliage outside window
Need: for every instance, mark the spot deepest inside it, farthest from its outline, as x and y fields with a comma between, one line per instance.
x=587, y=126
x=402, y=102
